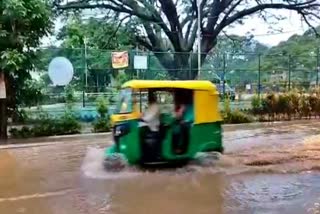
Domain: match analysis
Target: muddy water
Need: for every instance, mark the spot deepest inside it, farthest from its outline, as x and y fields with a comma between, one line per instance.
x=270, y=168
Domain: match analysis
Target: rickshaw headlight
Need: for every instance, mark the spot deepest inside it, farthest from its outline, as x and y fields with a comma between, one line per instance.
x=121, y=130
x=117, y=131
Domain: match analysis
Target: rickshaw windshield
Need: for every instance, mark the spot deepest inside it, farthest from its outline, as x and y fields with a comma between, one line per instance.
x=124, y=104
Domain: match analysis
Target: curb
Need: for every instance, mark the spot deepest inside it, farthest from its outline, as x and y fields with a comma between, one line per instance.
x=54, y=140
x=51, y=140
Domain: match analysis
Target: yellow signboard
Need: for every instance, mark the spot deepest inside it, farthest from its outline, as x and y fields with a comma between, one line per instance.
x=120, y=60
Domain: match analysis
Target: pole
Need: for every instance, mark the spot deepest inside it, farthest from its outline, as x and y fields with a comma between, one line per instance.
x=223, y=75
x=190, y=65
x=289, y=68
x=85, y=73
x=259, y=76
x=85, y=60
x=318, y=66
x=199, y=39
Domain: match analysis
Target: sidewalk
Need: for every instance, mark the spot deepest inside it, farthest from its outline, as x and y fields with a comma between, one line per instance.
x=45, y=141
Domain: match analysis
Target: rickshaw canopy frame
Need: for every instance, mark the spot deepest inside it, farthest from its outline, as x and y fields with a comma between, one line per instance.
x=196, y=85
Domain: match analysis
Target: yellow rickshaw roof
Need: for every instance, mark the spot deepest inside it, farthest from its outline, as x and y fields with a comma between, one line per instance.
x=183, y=84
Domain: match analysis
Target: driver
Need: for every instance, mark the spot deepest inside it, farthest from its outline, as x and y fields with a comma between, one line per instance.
x=152, y=114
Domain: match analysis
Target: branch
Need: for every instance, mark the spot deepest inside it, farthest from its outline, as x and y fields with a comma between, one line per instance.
x=144, y=43
x=170, y=10
x=192, y=37
x=309, y=24
x=260, y=7
x=140, y=12
x=115, y=32
x=233, y=7
x=187, y=20
x=215, y=9
x=187, y=35
x=232, y=39
x=132, y=8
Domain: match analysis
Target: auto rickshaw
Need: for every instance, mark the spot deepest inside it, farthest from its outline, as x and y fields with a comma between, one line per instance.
x=140, y=145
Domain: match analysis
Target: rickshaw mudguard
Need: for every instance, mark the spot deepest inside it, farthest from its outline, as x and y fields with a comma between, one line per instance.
x=110, y=150
x=129, y=144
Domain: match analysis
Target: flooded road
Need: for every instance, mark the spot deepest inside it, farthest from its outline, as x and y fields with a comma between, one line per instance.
x=271, y=168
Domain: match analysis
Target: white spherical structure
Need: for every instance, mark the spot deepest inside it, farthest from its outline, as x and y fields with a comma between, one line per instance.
x=60, y=71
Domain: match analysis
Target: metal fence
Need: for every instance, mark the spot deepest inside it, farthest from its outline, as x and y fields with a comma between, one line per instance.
x=239, y=73
x=238, y=69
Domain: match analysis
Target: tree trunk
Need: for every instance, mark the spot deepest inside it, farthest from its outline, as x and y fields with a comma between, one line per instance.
x=181, y=66
x=3, y=118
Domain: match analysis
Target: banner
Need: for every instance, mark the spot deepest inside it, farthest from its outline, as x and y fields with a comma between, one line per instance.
x=120, y=59
x=2, y=87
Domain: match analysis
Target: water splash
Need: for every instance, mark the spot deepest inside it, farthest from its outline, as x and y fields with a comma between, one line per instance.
x=92, y=166
x=294, y=158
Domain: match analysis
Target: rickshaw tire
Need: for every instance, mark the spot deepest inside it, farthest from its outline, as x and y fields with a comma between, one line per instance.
x=220, y=150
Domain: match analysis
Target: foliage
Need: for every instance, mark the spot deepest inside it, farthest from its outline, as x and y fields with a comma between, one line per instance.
x=102, y=107
x=67, y=124
x=236, y=117
x=102, y=124
x=22, y=24
x=19, y=116
x=160, y=27
x=256, y=104
x=99, y=37
x=288, y=106
x=69, y=97
x=47, y=126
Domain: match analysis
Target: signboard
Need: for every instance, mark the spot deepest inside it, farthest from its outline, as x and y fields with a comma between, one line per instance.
x=3, y=94
x=140, y=62
x=120, y=59
x=248, y=86
x=60, y=71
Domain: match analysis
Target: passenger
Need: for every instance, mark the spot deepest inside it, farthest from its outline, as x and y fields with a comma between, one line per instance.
x=184, y=116
x=151, y=117
x=183, y=107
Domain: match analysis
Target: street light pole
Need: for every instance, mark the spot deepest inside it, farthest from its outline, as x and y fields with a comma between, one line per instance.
x=318, y=66
x=85, y=60
x=199, y=38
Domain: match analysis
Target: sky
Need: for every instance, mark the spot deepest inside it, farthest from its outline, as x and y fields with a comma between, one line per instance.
x=290, y=26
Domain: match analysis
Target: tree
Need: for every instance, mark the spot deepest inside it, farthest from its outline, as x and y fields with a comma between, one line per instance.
x=100, y=37
x=22, y=24
x=169, y=27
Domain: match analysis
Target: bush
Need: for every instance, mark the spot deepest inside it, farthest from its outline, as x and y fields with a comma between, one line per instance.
x=102, y=124
x=19, y=116
x=288, y=105
x=67, y=124
x=24, y=132
x=47, y=126
x=256, y=104
x=236, y=117
x=102, y=107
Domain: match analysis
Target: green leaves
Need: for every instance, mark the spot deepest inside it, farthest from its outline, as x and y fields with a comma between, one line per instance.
x=12, y=60
x=22, y=24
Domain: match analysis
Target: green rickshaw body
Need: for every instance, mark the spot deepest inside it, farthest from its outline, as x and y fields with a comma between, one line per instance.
x=204, y=132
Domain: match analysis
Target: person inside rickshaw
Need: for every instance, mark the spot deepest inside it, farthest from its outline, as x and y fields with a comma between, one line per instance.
x=151, y=116
x=184, y=117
